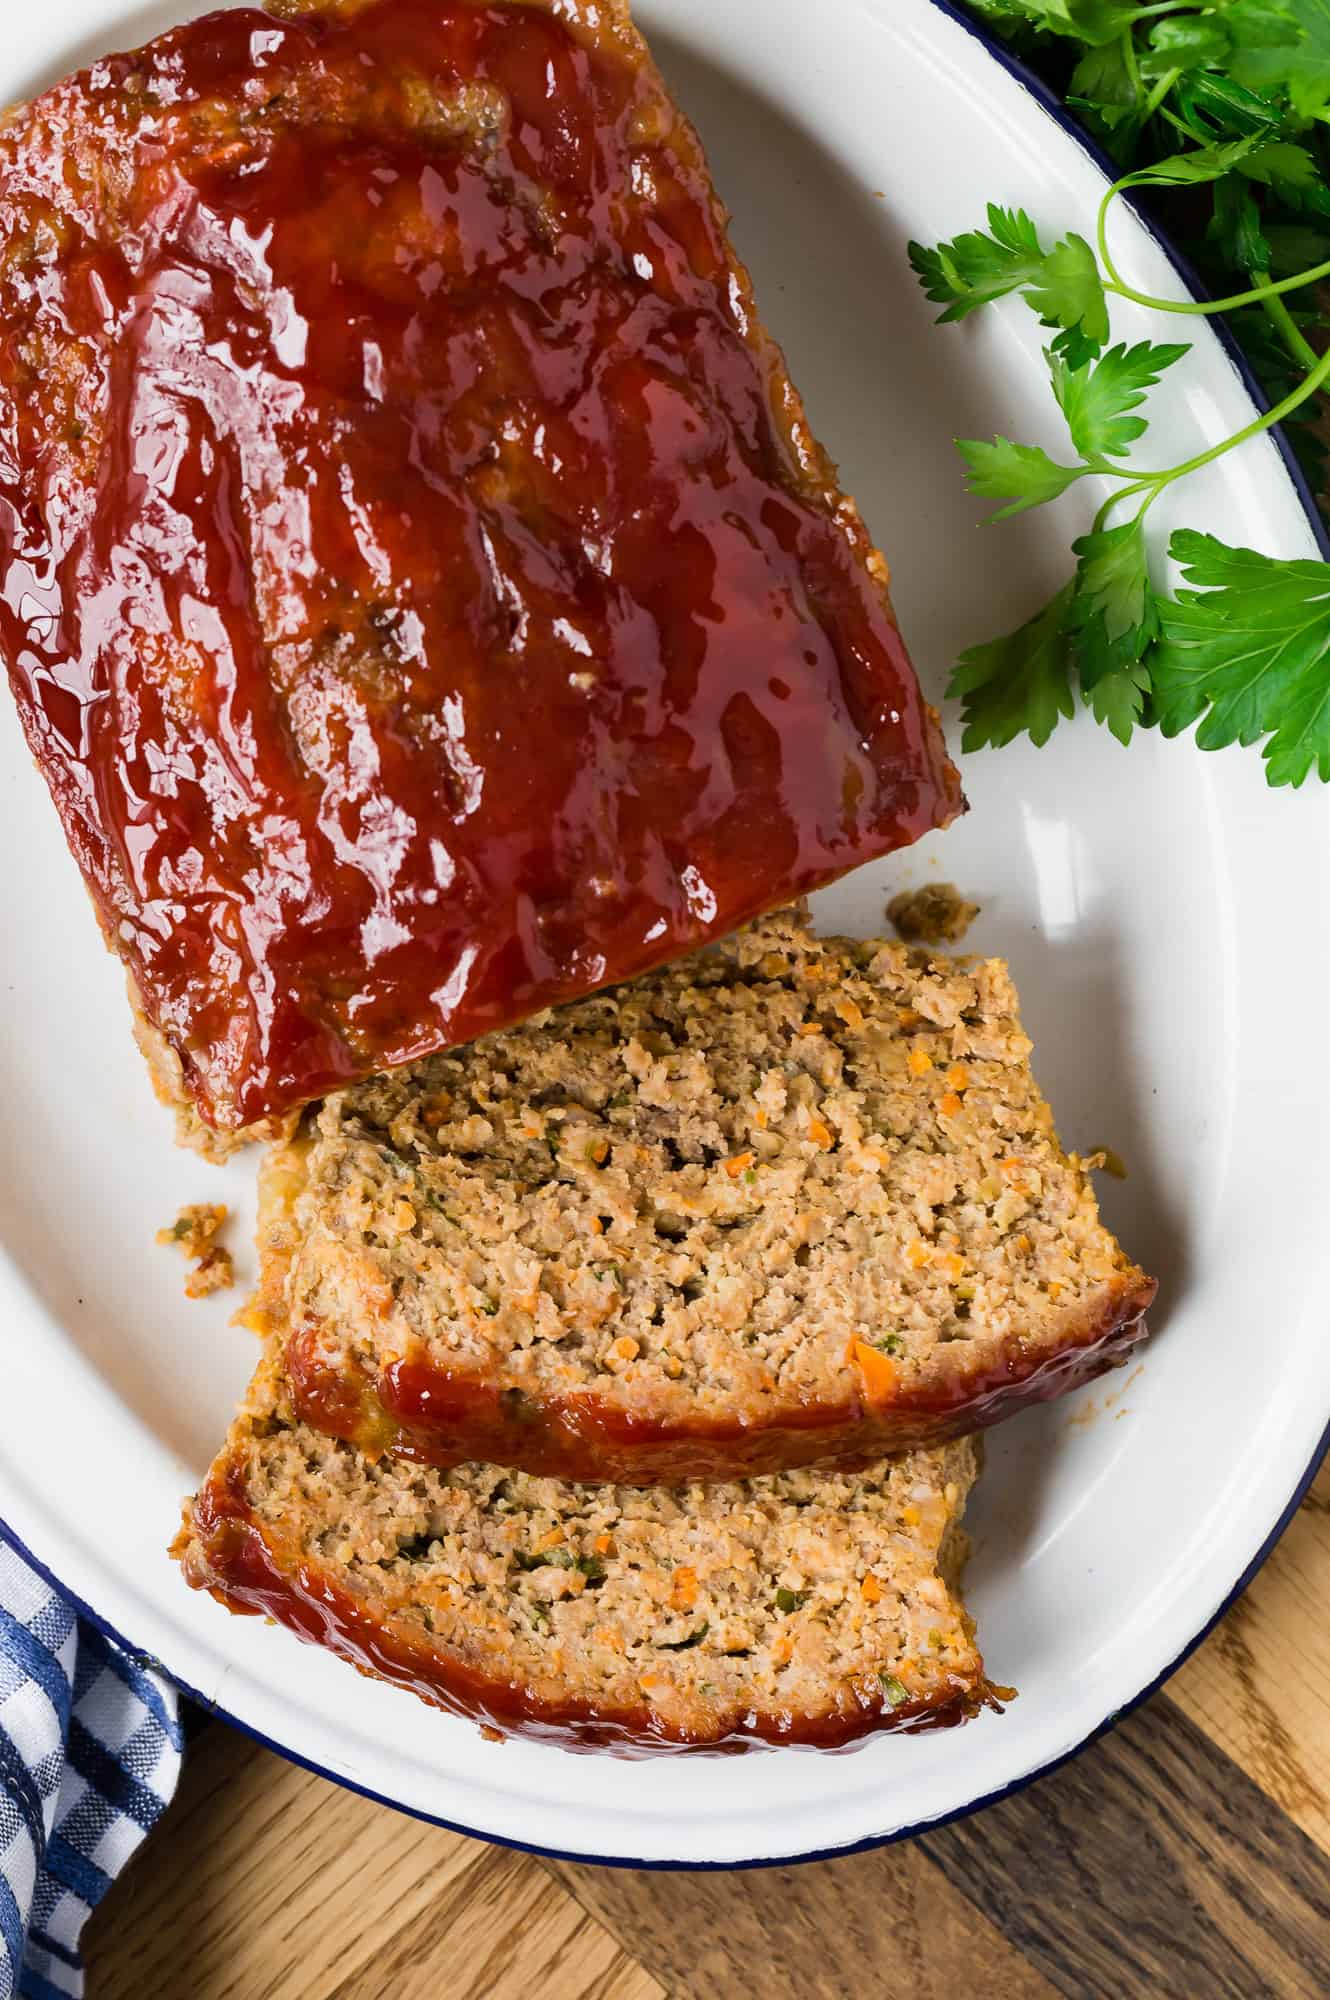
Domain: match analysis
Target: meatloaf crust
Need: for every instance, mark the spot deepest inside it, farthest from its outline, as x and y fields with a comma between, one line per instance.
x=420, y=586
x=803, y=1609
x=795, y=1200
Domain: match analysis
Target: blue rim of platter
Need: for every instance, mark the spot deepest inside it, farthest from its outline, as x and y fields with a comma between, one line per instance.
x=1058, y=112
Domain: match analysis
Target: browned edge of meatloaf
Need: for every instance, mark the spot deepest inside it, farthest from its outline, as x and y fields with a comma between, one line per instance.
x=586, y=1438
x=192, y=1131
x=224, y=1551
x=422, y=1410
x=254, y=1566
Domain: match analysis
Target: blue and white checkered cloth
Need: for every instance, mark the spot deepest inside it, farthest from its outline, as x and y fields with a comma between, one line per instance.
x=89, y=1757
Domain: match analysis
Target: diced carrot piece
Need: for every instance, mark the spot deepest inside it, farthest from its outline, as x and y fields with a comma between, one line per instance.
x=820, y=1134
x=950, y=1106
x=550, y=1541
x=880, y=1376
x=739, y=1164
x=917, y=1254
x=604, y=1545
x=683, y=1589
x=871, y=1589
x=919, y=1062
x=958, y=1077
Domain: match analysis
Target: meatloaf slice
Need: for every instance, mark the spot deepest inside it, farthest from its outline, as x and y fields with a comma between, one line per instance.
x=799, y=1608
x=788, y=1201
x=420, y=586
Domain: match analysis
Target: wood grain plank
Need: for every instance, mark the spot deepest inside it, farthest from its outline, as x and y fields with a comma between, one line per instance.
x=1150, y=1866
x=266, y=1882
x=887, y=1925
x=503, y=1929
x=1261, y=1685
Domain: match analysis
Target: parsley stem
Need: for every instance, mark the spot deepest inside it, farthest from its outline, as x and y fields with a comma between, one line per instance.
x=1204, y=308
x=1153, y=483
x=1130, y=64
x=1308, y=387
x=1158, y=94
x=1282, y=320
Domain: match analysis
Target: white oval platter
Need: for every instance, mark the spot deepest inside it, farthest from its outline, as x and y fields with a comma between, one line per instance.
x=1166, y=917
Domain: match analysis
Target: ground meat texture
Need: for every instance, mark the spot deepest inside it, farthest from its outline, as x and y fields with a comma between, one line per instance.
x=792, y=1200
x=421, y=589
x=195, y=1227
x=193, y=1231
x=935, y=914
x=214, y=1272
x=796, y=1608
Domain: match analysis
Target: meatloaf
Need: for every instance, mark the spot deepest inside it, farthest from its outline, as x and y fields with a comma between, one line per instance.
x=790, y=1200
x=799, y=1608
x=420, y=586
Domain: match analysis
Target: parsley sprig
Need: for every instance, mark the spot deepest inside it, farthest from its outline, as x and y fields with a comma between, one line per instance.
x=1243, y=648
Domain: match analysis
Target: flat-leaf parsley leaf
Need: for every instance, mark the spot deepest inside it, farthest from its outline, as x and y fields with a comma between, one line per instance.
x=1022, y=474
x=1022, y=682
x=1220, y=109
x=1247, y=649
x=1097, y=398
x=1284, y=45
x=1062, y=285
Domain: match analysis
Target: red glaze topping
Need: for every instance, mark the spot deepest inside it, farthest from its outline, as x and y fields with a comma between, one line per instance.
x=246, y=1567
x=418, y=583
x=422, y=1411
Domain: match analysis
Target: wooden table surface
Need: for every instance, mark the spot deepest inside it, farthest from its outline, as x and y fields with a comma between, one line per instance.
x=1185, y=1856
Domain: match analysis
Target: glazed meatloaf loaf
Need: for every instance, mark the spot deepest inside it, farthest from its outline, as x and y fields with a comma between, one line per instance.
x=420, y=586
x=797, y=1608
x=790, y=1200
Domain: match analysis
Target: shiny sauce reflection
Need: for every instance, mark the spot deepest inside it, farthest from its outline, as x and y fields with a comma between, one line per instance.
x=416, y=580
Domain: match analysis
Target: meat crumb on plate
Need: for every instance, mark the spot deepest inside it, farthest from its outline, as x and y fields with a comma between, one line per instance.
x=194, y=1231
x=935, y=914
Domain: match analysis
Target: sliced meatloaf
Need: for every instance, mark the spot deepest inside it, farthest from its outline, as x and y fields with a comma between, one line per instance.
x=421, y=588
x=789, y=1201
x=798, y=1608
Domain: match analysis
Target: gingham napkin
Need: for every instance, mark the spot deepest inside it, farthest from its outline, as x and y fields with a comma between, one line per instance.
x=89, y=1757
